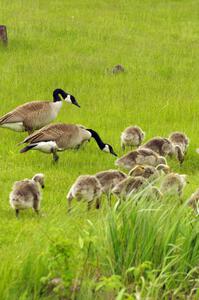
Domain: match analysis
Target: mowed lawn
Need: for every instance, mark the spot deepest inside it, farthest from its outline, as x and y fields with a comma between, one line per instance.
x=73, y=45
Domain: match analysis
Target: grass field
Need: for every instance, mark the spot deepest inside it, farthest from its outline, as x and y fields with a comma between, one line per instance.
x=149, y=251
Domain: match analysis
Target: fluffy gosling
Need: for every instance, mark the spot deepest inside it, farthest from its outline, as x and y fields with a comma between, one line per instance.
x=147, y=171
x=86, y=187
x=161, y=146
x=140, y=156
x=110, y=178
x=193, y=201
x=132, y=137
x=180, y=139
x=129, y=186
x=173, y=184
x=26, y=194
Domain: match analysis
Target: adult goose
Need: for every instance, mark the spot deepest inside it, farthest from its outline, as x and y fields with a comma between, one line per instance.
x=60, y=137
x=34, y=115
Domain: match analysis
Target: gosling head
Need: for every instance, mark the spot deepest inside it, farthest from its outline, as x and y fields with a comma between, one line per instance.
x=39, y=178
x=165, y=168
x=137, y=171
x=109, y=149
x=184, y=178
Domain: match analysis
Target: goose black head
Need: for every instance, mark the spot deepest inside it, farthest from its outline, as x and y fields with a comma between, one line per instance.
x=67, y=97
x=108, y=148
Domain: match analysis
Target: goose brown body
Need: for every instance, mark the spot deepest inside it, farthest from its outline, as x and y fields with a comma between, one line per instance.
x=36, y=114
x=60, y=137
x=31, y=116
x=66, y=136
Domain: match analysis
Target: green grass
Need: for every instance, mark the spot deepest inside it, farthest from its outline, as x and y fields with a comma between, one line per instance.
x=70, y=44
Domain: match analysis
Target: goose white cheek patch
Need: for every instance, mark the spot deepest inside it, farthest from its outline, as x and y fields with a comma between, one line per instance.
x=68, y=99
x=106, y=149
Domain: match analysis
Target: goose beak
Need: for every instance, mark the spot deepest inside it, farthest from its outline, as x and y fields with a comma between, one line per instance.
x=76, y=103
x=113, y=153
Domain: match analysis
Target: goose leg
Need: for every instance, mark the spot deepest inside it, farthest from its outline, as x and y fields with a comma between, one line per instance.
x=123, y=147
x=55, y=156
x=29, y=130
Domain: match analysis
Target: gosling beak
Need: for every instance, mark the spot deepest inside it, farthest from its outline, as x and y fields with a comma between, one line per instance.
x=76, y=103
x=43, y=186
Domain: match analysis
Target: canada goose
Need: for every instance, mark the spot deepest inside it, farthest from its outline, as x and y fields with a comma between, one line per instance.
x=179, y=139
x=34, y=115
x=140, y=156
x=26, y=194
x=59, y=137
x=161, y=146
x=173, y=184
x=132, y=136
x=194, y=201
x=86, y=187
x=147, y=171
x=108, y=179
x=129, y=186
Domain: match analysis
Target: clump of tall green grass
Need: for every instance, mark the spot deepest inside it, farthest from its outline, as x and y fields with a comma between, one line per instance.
x=146, y=249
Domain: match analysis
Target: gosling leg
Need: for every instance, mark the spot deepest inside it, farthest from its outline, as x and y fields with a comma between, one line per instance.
x=17, y=212
x=97, y=203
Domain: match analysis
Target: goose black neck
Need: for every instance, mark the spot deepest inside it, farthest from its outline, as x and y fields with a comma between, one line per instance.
x=57, y=93
x=97, y=138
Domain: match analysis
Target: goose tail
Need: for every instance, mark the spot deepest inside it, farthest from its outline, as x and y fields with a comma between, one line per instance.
x=27, y=148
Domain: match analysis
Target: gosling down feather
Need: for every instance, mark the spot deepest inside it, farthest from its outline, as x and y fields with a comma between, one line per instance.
x=60, y=137
x=26, y=194
x=86, y=187
x=132, y=136
x=34, y=115
x=140, y=156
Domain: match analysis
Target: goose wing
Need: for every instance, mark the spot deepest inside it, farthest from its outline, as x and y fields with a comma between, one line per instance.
x=53, y=132
x=22, y=112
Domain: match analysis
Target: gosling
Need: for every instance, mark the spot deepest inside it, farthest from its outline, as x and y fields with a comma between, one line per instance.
x=26, y=194
x=193, y=201
x=147, y=171
x=110, y=178
x=161, y=146
x=86, y=187
x=129, y=186
x=173, y=184
x=140, y=156
x=180, y=139
x=133, y=185
x=132, y=137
